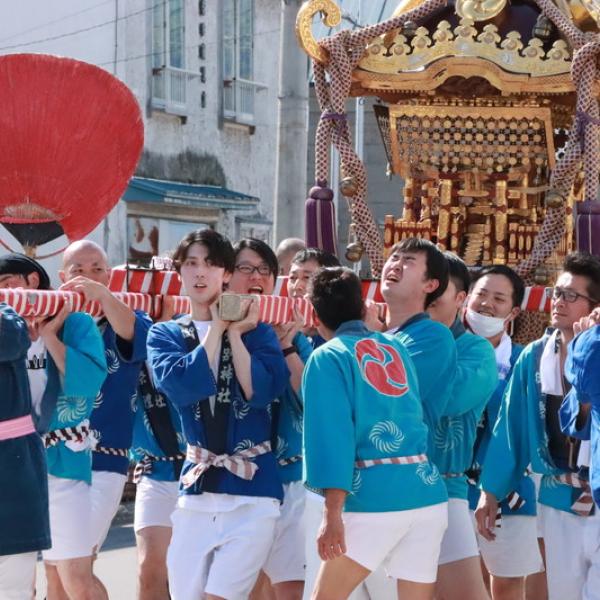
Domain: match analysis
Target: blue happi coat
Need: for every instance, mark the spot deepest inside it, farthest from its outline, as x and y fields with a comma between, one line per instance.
x=289, y=425
x=520, y=438
x=475, y=381
x=187, y=380
x=525, y=487
x=361, y=396
x=24, y=523
x=582, y=370
x=144, y=439
x=112, y=418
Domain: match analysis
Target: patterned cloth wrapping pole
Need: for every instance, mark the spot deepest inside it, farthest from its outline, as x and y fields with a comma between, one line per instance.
x=345, y=49
x=145, y=281
x=15, y=428
x=537, y=299
x=240, y=463
x=392, y=460
x=584, y=504
x=275, y=310
x=42, y=303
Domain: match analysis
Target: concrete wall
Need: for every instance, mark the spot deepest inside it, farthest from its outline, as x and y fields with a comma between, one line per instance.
x=117, y=35
x=82, y=29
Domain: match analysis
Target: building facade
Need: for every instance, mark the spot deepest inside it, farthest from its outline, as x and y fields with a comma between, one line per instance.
x=226, y=100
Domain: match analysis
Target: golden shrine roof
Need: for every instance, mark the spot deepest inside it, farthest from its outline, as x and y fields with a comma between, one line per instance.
x=508, y=44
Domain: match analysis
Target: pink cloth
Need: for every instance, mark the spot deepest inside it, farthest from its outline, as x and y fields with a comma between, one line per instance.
x=14, y=428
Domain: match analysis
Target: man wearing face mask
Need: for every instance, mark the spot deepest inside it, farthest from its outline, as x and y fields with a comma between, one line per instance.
x=528, y=432
x=493, y=304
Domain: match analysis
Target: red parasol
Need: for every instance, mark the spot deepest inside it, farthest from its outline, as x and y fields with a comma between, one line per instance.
x=71, y=134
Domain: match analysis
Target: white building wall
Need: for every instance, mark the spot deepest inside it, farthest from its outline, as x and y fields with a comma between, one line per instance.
x=117, y=36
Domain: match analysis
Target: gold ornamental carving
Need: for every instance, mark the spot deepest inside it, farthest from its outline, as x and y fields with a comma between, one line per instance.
x=331, y=15
x=465, y=41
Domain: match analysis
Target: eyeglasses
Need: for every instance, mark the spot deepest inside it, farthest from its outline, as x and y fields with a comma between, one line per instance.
x=248, y=269
x=568, y=295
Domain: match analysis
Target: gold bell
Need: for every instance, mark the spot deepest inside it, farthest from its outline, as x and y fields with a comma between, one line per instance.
x=541, y=276
x=348, y=187
x=542, y=28
x=554, y=199
x=354, y=251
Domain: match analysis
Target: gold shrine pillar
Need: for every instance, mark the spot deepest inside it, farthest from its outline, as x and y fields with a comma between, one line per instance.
x=408, y=212
x=443, y=232
x=500, y=223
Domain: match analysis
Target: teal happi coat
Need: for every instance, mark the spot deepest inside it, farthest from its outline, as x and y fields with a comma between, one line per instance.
x=475, y=381
x=520, y=439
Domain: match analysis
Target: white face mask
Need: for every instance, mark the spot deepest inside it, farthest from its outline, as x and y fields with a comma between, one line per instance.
x=483, y=325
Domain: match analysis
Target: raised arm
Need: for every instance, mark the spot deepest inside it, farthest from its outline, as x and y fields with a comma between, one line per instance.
x=184, y=377
x=14, y=337
x=476, y=377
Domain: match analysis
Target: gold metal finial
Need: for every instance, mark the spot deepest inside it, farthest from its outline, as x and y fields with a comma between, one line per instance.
x=479, y=10
x=332, y=16
x=593, y=8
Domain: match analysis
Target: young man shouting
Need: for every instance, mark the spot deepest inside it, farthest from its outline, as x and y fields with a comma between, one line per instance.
x=366, y=451
x=222, y=377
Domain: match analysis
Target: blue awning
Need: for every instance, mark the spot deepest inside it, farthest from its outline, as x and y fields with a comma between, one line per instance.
x=162, y=191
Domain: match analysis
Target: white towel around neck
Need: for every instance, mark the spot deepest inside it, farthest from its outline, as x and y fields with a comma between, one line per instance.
x=551, y=377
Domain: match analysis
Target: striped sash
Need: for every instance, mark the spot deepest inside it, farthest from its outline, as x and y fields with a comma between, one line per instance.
x=392, y=460
x=144, y=466
x=79, y=433
x=584, y=504
x=123, y=452
x=240, y=463
x=284, y=462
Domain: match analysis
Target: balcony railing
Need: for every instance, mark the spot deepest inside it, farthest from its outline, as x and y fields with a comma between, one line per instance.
x=170, y=89
x=239, y=99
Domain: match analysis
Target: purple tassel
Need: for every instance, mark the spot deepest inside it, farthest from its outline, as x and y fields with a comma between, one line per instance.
x=320, y=218
x=587, y=227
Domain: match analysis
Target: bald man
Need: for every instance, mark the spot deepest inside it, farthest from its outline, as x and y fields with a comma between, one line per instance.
x=85, y=269
x=286, y=251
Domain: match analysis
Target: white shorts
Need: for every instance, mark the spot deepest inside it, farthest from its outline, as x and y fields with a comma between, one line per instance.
x=459, y=541
x=407, y=543
x=537, y=481
x=107, y=491
x=313, y=515
x=220, y=553
x=515, y=552
x=70, y=505
x=286, y=561
x=17, y=576
x=572, y=554
x=155, y=502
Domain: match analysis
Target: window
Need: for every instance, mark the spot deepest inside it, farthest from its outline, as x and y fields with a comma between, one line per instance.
x=169, y=76
x=238, y=60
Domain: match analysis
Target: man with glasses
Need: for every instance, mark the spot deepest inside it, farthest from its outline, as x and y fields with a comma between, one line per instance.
x=528, y=432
